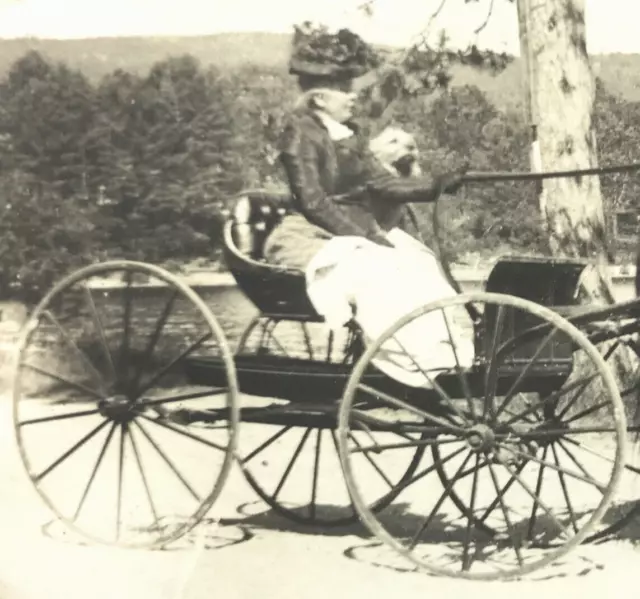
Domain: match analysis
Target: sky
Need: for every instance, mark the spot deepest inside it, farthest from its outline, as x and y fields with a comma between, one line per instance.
x=611, y=24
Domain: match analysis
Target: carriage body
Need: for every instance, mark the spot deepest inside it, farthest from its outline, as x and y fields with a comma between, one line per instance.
x=279, y=294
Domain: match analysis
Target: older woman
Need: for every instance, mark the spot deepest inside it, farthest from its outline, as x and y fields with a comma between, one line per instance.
x=338, y=185
x=352, y=235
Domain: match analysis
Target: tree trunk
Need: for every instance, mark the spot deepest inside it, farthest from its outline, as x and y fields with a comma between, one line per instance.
x=562, y=106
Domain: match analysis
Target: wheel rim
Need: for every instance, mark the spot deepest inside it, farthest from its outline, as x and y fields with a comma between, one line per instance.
x=295, y=468
x=489, y=449
x=116, y=361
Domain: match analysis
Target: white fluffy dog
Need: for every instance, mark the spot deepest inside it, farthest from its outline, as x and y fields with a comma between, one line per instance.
x=397, y=151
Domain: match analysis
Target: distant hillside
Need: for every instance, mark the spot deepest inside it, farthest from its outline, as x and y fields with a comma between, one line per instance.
x=97, y=57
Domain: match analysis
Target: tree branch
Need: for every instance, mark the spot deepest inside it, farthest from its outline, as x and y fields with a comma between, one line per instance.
x=422, y=37
x=486, y=21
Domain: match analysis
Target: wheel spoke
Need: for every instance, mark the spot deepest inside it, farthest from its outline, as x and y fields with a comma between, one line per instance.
x=96, y=466
x=314, y=484
x=583, y=386
x=307, y=340
x=156, y=377
x=549, y=400
x=123, y=357
x=71, y=450
x=565, y=492
x=168, y=461
x=491, y=375
x=587, y=412
x=534, y=508
x=595, y=454
x=123, y=434
x=410, y=408
x=264, y=445
x=586, y=479
x=402, y=485
x=574, y=459
x=524, y=372
x=78, y=351
x=151, y=345
x=294, y=458
x=101, y=332
x=440, y=501
x=440, y=391
x=462, y=375
x=271, y=336
x=501, y=494
x=505, y=512
x=371, y=461
x=329, y=355
x=59, y=417
x=334, y=437
x=531, y=494
x=56, y=377
x=143, y=476
x=466, y=563
x=187, y=434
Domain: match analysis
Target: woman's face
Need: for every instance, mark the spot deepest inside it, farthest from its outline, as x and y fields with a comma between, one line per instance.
x=337, y=101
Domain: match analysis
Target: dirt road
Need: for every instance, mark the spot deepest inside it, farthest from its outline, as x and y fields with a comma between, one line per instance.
x=247, y=557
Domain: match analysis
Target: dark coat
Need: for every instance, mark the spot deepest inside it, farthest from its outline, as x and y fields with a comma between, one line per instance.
x=340, y=186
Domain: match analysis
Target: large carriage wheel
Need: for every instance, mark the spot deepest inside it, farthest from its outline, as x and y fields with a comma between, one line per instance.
x=531, y=464
x=98, y=368
x=293, y=464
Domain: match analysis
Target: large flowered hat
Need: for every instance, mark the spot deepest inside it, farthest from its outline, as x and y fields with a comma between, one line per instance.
x=319, y=54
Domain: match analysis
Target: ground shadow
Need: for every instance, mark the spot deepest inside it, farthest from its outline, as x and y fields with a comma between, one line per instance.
x=209, y=535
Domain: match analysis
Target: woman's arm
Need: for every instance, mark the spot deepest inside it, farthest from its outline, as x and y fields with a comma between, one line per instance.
x=415, y=189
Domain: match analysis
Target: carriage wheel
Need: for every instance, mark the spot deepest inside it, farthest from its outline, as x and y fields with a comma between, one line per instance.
x=531, y=465
x=295, y=468
x=268, y=335
x=98, y=367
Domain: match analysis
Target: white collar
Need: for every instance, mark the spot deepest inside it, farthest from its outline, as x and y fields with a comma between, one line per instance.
x=337, y=131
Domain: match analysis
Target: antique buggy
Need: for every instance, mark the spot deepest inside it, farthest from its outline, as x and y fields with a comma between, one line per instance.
x=492, y=471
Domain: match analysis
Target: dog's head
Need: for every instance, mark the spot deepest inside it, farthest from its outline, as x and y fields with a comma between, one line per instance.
x=397, y=150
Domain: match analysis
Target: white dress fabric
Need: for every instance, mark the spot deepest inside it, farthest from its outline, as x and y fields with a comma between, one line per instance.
x=352, y=277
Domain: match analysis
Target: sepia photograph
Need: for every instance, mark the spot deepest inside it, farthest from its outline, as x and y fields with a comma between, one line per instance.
x=303, y=299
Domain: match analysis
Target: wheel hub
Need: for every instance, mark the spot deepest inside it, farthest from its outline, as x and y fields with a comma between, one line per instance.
x=480, y=437
x=118, y=408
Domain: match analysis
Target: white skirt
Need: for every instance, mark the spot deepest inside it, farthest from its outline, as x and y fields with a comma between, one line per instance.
x=352, y=277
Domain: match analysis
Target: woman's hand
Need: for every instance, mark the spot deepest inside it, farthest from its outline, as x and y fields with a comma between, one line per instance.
x=454, y=180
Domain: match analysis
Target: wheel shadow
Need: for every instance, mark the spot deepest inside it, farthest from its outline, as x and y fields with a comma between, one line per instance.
x=443, y=544
x=628, y=514
x=444, y=539
x=257, y=516
x=208, y=535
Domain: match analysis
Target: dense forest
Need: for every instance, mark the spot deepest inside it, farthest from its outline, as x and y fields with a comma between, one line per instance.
x=140, y=163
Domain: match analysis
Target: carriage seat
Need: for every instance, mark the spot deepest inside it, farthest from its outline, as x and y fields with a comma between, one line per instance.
x=255, y=215
x=274, y=289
